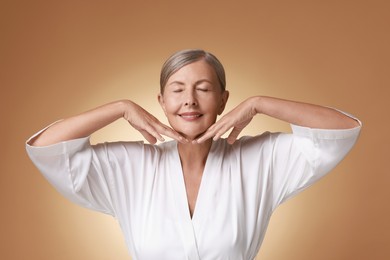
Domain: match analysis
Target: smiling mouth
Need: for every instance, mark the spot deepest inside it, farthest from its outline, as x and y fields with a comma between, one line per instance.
x=190, y=116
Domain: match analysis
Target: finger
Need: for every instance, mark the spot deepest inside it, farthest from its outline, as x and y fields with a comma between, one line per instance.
x=213, y=132
x=222, y=129
x=167, y=131
x=153, y=132
x=150, y=138
x=201, y=139
x=233, y=135
x=205, y=136
x=220, y=133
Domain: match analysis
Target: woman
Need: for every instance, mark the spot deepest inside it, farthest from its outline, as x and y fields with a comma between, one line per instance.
x=198, y=196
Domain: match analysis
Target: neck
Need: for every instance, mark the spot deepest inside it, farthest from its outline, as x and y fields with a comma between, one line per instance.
x=194, y=154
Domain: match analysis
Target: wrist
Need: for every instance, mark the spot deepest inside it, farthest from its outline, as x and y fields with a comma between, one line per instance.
x=255, y=105
x=124, y=107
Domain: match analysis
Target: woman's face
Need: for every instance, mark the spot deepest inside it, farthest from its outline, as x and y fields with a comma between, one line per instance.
x=192, y=99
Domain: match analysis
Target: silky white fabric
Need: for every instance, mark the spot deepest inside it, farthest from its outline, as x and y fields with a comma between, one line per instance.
x=142, y=186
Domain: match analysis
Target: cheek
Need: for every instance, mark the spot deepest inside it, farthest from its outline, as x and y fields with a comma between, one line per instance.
x=169, y=104
x=214, y=105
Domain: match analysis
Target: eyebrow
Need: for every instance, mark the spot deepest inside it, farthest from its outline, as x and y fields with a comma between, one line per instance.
x=196, y=83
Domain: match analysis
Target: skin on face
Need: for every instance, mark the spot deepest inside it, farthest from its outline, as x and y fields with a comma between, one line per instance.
x=193, y=99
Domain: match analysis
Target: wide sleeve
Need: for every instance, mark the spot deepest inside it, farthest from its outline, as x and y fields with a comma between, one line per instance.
x=87, y=175
x=66, y=166
x=303, y=157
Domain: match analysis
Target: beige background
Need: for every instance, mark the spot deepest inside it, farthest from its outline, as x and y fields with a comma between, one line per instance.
x=59, y=58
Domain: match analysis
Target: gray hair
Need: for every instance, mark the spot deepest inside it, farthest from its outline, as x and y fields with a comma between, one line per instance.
x=185, y=57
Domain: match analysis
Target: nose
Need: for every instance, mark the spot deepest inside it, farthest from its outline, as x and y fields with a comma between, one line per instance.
x=190, y=99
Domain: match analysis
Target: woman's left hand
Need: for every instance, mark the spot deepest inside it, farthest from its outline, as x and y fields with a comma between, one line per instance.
x=238, y=119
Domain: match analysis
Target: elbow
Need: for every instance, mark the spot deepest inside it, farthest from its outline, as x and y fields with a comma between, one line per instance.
x=352, y=123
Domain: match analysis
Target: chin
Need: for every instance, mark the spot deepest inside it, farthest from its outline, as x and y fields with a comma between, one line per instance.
x=190, y=131
x=190, y=135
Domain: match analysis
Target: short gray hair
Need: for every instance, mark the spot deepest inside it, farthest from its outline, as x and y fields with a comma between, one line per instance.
x=185, y=57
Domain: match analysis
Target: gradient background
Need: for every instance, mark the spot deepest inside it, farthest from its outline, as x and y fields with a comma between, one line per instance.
x=59, y=58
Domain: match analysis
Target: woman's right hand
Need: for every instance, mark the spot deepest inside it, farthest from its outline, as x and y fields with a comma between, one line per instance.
x=86, y=123
x=148, y=125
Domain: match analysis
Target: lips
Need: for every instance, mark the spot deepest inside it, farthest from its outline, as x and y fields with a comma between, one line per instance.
x=190, y=115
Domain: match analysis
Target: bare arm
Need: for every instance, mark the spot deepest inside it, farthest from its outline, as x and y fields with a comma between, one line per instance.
x=86, y=123
x=298, y=113
x=303, y=114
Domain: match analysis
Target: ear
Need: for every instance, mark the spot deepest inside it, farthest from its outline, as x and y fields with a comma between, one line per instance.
x=161, y=101
x=225, y=97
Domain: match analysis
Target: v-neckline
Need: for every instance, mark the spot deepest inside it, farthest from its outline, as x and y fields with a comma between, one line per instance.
x=203, y=186
x=189, y=227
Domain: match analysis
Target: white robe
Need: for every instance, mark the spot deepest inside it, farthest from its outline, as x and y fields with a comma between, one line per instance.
x=142, y=186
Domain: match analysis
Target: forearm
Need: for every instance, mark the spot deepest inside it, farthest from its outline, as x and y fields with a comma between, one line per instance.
x=302, y=114
x=81, y=125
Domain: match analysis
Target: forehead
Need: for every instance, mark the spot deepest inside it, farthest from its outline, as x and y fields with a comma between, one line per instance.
x=194, y=71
